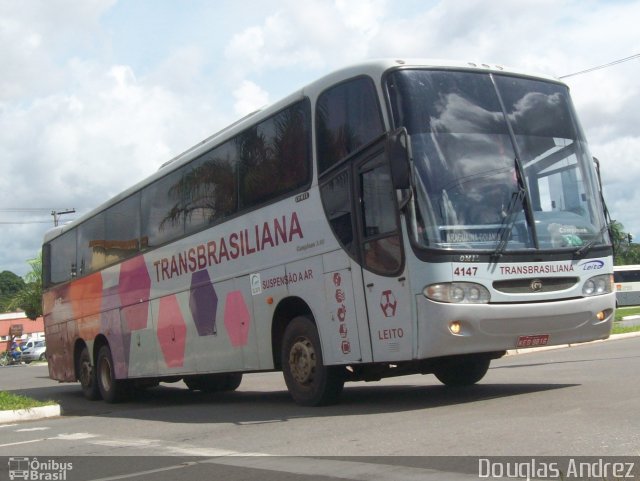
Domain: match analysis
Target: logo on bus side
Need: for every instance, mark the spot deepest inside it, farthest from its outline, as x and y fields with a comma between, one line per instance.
x=388, y=303
x=536, y=285
x=301, y=197
x=256, y=285
x=592, y=265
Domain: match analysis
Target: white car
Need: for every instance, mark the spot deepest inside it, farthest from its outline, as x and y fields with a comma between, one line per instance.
x=35, y=353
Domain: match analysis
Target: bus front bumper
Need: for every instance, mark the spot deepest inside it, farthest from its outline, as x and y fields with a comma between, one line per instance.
x=501, y=327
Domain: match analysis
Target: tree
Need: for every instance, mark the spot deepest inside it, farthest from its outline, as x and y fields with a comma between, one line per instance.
x=625, y=252
x=618, y=236
x=10, y=284
x=29, y=298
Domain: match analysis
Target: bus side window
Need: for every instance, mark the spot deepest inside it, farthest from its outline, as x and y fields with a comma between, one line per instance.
x=91, y=249
x=274, y=156
x=162, y=210
x=63, y=257
x=122, y=229
x=336, y=199
x=347, y=117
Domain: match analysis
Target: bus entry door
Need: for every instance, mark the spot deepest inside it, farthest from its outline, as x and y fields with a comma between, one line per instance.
x=384, y=274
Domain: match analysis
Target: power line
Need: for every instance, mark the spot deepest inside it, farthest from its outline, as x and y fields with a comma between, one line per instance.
x=55, y=213
x=26, y=209
x=615, y=62
x=26, y=222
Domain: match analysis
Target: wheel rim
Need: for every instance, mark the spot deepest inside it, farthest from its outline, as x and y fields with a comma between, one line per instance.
x=302, y=361
x=105, y=375
x=85, y=373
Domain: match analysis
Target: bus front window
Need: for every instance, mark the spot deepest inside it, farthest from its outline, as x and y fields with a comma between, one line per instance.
x=477, y=140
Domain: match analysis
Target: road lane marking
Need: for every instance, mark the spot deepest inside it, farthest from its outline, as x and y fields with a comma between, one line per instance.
x=59, y=437
x=142, y=473
x=126, y=443
x=27, y=430
x=338, y=469
x=22, y=442
x=74, y=436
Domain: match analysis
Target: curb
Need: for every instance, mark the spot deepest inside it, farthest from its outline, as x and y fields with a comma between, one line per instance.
x=30, y=414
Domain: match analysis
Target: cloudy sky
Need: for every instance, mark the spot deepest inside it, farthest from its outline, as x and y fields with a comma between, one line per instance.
x=96, y=94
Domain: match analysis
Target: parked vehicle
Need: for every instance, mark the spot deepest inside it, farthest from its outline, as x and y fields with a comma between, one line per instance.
x=35, y=353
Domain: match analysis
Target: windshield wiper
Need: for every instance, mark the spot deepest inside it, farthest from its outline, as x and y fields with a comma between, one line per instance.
x=508, y=222
x=582, y=250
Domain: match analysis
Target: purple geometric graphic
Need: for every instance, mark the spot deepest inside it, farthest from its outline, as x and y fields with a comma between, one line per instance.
x=237, y=319
x=203, y=303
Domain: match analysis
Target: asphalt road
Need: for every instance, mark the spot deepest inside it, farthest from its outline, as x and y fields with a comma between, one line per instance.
x=578, y=401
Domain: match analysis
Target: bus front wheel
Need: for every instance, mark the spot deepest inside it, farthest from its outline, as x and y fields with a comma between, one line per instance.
x=111, y=389
x=308, y=380
x=462, y=372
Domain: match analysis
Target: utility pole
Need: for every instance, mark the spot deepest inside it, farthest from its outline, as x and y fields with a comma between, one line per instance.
x=57, y=213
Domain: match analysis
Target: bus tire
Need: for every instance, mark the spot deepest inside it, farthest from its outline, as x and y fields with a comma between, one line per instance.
x=87, y=376
x=308, y=380
x=462, y=372
x=111, y=389
x=214, y=382
x=232, y=382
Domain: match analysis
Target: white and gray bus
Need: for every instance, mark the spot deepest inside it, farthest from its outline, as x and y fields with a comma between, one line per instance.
x=394, y=217
x=627, y=281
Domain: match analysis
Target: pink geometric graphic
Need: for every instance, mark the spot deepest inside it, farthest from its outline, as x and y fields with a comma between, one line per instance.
x=172, y=331
x=237, y=319
x=134, y=287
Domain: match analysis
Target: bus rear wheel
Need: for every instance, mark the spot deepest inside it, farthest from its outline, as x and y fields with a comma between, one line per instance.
x=214, y=382
x=462, y=372
x=87, y=376
x=111, y=389
x=308, y=380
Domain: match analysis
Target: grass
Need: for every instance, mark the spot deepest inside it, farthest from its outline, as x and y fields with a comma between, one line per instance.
x=627, y=311
x=624, y=329
x=624, y=312
x=9, y=401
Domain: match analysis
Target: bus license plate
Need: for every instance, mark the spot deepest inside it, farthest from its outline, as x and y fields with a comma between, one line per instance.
x=533, y=341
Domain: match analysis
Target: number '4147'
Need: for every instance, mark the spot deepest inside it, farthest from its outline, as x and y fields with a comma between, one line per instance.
x=465, y=271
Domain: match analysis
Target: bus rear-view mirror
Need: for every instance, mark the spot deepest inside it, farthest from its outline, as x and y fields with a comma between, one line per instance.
x=398, y=151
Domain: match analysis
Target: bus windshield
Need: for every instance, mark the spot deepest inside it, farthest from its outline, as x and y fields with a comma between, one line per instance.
x=500, y=162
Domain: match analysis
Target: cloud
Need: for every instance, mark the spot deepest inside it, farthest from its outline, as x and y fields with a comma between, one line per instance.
x=248, y=98
x=33, y=38
x=311, y=34
x=78, y=149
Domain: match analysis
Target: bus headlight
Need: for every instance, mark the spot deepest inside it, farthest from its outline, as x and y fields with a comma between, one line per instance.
x=457, y=293
x=598, y=285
